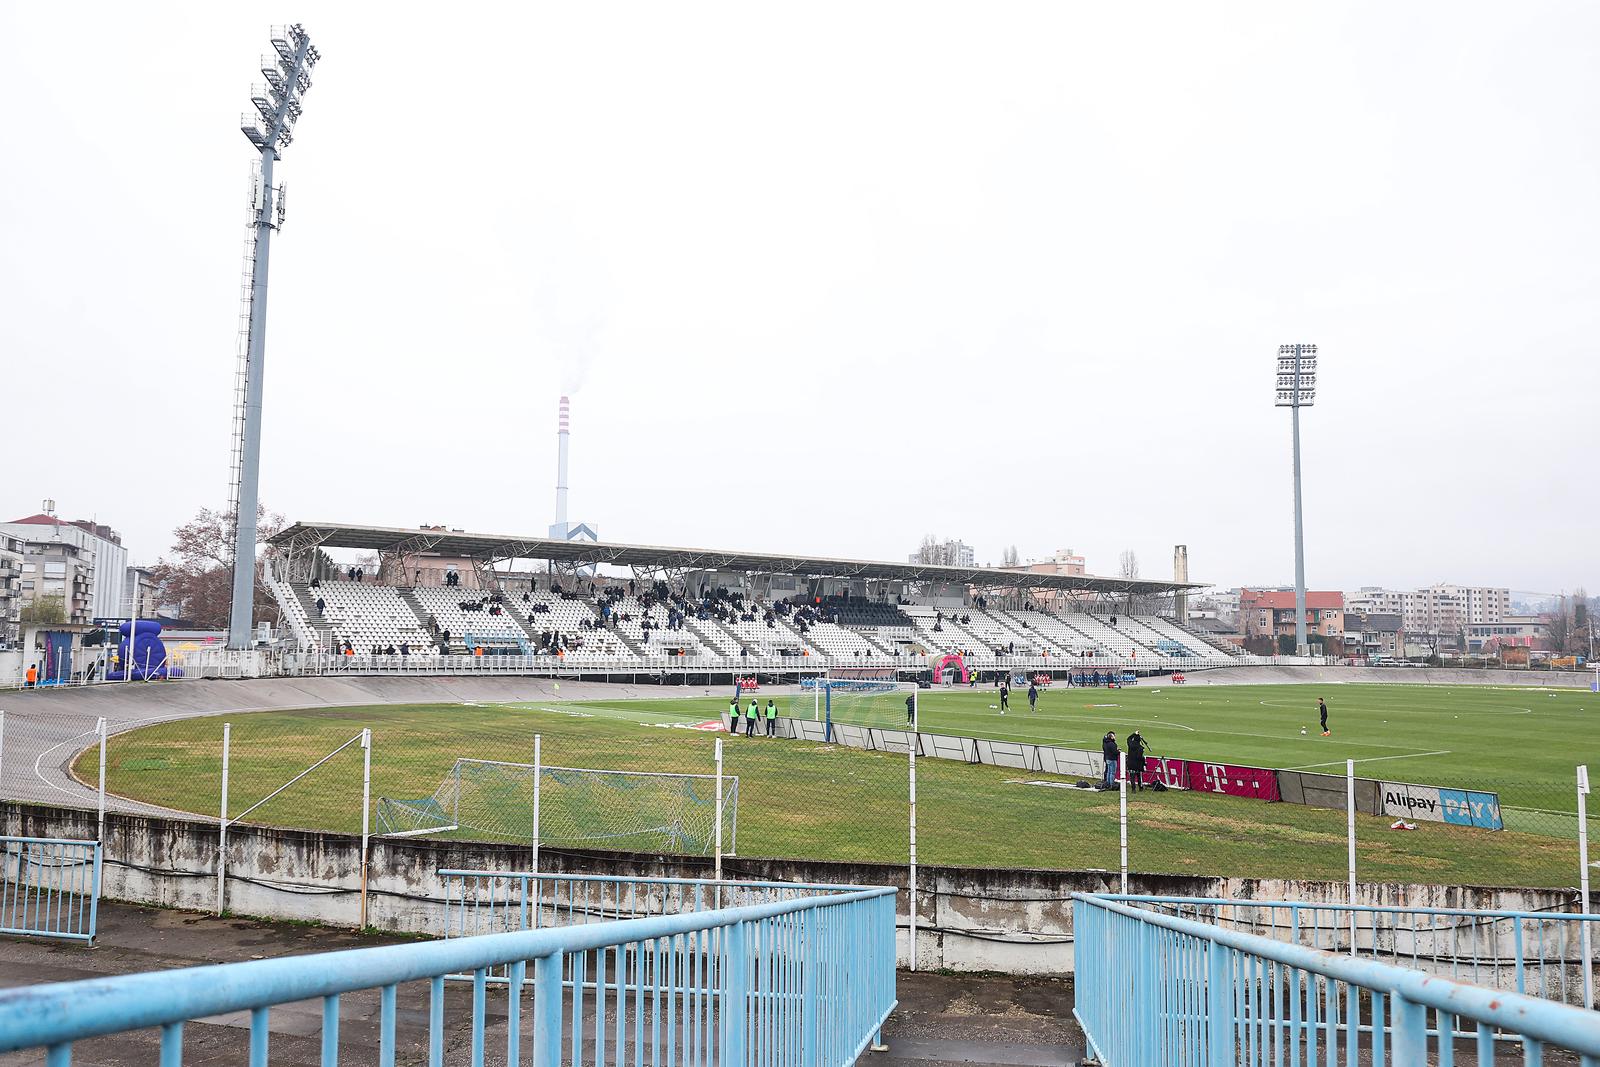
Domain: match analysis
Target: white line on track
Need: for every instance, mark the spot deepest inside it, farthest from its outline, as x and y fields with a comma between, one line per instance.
x=1370, y=759
x=121, y=727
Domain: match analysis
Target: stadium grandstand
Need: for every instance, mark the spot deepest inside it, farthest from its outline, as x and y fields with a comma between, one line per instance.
x=441, y=597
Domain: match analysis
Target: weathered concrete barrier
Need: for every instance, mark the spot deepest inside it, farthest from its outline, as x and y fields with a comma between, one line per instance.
x=1016, y=921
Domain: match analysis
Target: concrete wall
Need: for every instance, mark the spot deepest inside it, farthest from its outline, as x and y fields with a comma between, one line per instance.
x=1270, y=675
x=1017, y=921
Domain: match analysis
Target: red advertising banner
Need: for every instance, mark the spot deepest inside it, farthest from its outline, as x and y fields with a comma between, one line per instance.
x=1228, y=779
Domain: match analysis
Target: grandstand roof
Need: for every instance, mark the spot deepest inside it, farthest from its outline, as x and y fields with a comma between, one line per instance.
x=511, y=546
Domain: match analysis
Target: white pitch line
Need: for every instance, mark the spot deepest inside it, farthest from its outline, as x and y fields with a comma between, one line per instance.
x=1370, y=759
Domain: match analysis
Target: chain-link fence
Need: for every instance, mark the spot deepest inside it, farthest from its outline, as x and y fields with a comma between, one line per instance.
x=827, y=775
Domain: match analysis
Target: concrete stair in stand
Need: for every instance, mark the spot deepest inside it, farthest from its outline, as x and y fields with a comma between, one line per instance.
x=409, y=599
x=308, y=603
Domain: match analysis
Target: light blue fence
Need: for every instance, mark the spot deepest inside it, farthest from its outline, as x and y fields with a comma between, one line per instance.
x=49, y=887
x=1542, y=953
x=1152, y=989
x=801, y=982
x=493, y=902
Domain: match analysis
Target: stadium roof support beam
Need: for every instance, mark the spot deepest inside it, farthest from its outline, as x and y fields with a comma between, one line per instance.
x=589, y=553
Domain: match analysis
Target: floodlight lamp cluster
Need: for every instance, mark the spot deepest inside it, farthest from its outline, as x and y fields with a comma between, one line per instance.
x=288, y=78
x=1297, y=376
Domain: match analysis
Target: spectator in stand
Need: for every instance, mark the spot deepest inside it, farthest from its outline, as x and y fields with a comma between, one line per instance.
x=321, y=604
x=405, y=649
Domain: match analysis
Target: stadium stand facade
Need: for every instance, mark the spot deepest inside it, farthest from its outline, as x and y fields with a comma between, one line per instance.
x=541, y=600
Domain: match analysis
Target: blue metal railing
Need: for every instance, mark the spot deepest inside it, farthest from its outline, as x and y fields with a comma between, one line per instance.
x=801, y=982
x=1536, y=952
x=1152, y=988
x=492, y=902
x=49, y=887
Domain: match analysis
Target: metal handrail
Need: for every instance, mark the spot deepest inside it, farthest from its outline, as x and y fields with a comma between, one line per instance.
x=57, y=1014
x=1302, y=905
x=1140, y=997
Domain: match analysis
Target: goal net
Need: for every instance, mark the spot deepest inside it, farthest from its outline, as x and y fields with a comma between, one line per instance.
x=855, y=700
x=577, y=807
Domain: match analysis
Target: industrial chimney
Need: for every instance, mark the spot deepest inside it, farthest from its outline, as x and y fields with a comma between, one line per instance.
x=559, y=530
x=1180, y=573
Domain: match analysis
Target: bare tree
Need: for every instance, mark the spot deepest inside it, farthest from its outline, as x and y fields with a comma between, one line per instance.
x=1010, y=557
x=1128, y=563
x=1559, y=628
x=930, y=551
x=199, y=579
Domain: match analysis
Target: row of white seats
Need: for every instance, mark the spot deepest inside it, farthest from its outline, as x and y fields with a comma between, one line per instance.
x=444, y=604
x=658, y=639
x=367, y=614
x=833, y=640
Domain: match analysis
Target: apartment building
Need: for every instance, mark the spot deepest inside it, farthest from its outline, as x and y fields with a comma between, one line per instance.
x=1266, y=615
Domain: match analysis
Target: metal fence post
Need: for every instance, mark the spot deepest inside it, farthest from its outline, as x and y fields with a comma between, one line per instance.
x=222, y=827
x=1122, y=817
x=911, y=748
x=547, y=1010
x=811, y=965
x=718, y=869
x=366, y=807
x=1583, y=884
x=100, y=815
x=1219, y=1001
x=2, y=744
x=1350, y=834
x=735, y=1006
x=538, y=773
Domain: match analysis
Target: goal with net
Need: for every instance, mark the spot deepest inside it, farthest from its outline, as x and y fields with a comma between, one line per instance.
x=860, y=701
x=584, y=807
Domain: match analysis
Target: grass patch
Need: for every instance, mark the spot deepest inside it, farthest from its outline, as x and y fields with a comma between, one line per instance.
x=814, y=801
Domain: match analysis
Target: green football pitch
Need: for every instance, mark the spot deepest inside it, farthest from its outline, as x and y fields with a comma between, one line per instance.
x=801, y=799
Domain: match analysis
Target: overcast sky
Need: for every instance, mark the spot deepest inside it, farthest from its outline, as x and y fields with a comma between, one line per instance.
x=829, y=277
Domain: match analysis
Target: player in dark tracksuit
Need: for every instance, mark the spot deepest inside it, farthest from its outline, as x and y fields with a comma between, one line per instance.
x=1005, y=697
x=1322, y=710
x=1033, y=697
x=911, y=708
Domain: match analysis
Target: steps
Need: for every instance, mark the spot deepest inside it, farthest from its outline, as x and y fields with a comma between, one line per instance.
x=1218, y=643
x=715, y=635
x=409, y=599
x=322, y=633
x=784, y=625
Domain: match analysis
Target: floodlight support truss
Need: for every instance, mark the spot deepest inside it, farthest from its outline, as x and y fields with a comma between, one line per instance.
x=1302, y=393
x=297, y=63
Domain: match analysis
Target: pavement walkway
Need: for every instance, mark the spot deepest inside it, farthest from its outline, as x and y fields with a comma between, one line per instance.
x=943, y=1018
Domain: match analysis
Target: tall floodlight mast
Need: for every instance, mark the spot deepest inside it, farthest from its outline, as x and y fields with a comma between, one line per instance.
x=1297, y=388
x=270, y=128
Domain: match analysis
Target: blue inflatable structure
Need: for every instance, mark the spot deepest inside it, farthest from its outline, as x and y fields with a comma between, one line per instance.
x=149, y=653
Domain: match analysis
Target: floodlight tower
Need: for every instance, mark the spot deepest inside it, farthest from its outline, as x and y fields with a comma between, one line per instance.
x=270, y=128
x=1297, y=388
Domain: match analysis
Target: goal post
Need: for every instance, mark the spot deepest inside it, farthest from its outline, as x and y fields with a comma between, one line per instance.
x=858, y=696
x=575, y=807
